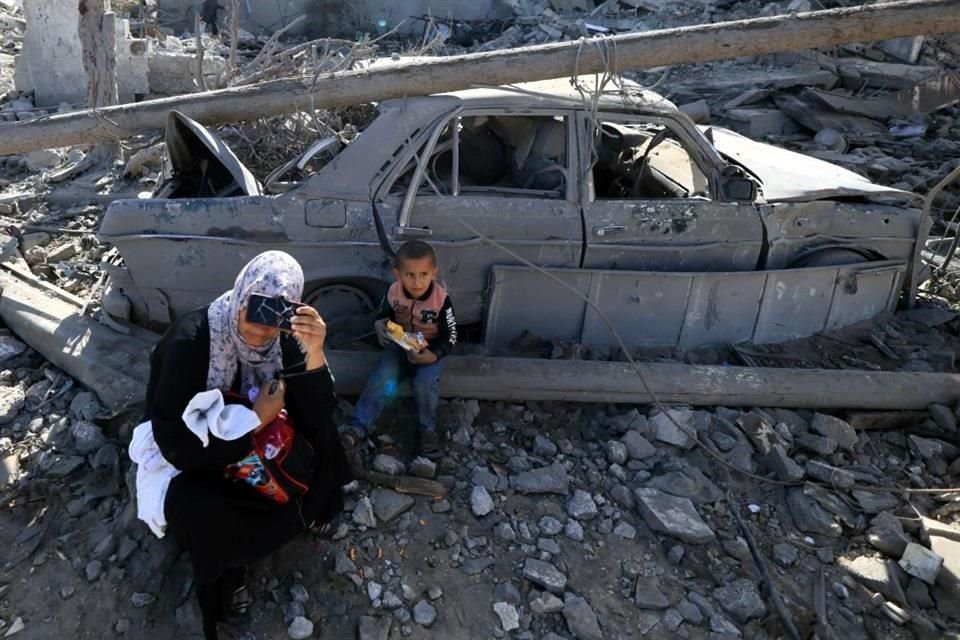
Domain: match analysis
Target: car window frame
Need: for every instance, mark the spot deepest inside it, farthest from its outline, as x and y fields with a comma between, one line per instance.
x=701, y=152
x=571, y=189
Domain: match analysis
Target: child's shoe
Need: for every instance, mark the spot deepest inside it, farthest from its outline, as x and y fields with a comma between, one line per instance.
x=430, y=445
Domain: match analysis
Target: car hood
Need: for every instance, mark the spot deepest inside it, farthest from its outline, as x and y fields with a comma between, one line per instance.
x=787, y=176
x=192, y=148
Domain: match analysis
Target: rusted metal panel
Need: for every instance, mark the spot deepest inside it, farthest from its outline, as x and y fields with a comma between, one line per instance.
x=645, y=308
x=722, y=309
x=689, y=310
x=795, y=302
x=860, y=294
x=548, y=308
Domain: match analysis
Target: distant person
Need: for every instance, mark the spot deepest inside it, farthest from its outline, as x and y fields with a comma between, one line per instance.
x=418, y=304
x=206, y=464
x=208, y=13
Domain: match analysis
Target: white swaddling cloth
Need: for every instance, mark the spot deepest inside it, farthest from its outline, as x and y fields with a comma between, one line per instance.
x=206, y=414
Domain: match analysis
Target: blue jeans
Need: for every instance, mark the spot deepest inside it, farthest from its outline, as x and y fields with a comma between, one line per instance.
x=383, y=385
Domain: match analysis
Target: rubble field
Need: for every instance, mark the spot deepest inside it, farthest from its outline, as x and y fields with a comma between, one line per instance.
x=559, y=520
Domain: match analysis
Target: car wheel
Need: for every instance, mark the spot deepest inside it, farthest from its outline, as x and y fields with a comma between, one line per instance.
x=829, y=258
x=347, y=310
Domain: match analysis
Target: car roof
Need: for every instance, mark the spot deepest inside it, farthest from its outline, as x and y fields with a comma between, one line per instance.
x=624, y=96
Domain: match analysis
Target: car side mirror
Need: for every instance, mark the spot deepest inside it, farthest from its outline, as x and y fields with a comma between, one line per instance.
x=739, y=188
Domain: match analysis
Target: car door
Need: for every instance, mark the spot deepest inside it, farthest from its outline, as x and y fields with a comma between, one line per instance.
x=497, y=175
x=650, y=200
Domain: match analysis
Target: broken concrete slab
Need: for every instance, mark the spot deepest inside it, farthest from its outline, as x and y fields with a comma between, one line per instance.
x=741, y=599
x=906, y=49
x=886, y=534
x=807, y=113
x=581, y=619
x=172, y=72
x=926, y=448
x=829, y=474
x=673, y=516
x=757, y=122
x=115, y=366
x=675, y=427
x=809, y=516
x=877, y=574
x=921, y=562
x=939, y=92
x=877, y=108
x=12, y=400
x=638, y=447
x=799, y=75
x=650, y=594
x=750, y=96
x=545, y=575
x=875, y=502
x=759, y=431
x=388, y=504
x=552, y=479
x=782, y=465
x=882, y=75
x=949, y=577
x=9, y=470
x=690, y=483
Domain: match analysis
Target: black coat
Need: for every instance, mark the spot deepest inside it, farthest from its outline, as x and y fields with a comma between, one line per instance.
x=224, y=524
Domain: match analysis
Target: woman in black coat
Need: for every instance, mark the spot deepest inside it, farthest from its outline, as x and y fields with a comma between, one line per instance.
x=192, y=437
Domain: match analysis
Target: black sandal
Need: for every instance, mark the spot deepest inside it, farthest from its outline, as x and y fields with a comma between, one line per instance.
x=353, y=440
x=430, y=445
x=326, y=530
x=240, y=602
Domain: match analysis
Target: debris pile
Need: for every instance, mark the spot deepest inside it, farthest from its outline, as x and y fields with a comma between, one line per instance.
x=580, y=521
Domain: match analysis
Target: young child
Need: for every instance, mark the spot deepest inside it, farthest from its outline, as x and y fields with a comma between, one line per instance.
x=418, y=303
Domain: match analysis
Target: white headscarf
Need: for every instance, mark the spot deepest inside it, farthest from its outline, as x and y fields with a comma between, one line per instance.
x=272, y=273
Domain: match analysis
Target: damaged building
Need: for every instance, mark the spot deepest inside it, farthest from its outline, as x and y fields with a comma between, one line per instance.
x=339, y=17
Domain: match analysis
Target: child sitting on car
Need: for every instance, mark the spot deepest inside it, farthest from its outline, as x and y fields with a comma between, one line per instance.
x=419, y=305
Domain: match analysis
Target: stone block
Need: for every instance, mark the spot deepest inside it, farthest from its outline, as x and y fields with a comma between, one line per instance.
x=921, y=562
x=756, y=122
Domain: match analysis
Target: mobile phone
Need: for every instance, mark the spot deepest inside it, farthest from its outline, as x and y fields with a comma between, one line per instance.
x=271, y=312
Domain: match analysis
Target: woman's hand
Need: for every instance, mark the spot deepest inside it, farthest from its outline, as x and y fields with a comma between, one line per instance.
x=269, y=405
x=311, y=331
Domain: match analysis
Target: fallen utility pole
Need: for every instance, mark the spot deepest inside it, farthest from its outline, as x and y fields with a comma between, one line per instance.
x=646, y=50
x=115, y=366
x=522, y=379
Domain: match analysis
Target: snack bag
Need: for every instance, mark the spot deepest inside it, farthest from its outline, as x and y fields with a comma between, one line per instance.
x=407, y=340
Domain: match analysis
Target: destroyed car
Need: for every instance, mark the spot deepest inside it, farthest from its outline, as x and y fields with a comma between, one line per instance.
x=678, y=234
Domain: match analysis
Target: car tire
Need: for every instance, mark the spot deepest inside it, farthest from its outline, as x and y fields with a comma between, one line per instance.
x=347, y=310
x=829, y=258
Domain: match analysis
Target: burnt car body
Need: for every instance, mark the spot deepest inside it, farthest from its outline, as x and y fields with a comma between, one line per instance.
x=678, y=234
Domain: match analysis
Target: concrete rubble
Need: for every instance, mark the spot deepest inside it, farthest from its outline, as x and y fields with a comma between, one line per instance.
x=561, y=520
